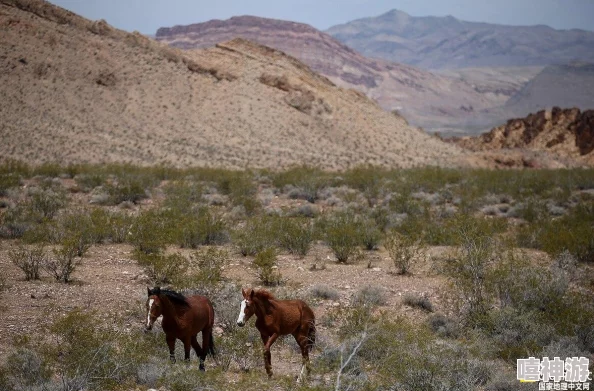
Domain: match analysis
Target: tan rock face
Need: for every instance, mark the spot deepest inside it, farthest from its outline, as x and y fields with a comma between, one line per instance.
x=75, y=91
x=566, y=133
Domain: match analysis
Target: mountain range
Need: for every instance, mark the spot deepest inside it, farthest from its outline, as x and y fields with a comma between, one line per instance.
x=446, y=42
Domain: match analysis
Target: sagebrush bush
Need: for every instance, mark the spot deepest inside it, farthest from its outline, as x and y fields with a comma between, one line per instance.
x=325, y=292
x=46, y=203
x=151, y=231
x=265, y=262
x=29, y=259
x=370, y=295
x=210, y=263
x=8, y=181
x=342, y=232
x=294, y=235
x=404, y=250
x=418, y=301
x=64, y=261
x=131, y=188
x=370, y=234
x=89, y=181
x=200, y=228
x=161, y=268
x=444, y=326
x=257, y=234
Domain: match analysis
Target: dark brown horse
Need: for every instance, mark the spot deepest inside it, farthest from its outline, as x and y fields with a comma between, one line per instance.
x=279, y=317
x=183, y=318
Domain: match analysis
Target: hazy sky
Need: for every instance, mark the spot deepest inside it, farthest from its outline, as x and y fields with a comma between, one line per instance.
x=148, y=15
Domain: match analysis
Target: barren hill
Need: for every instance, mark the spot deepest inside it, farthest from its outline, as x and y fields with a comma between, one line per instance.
x=565, y=133
x=74, y=90
x=446, y=42
x=424, y=98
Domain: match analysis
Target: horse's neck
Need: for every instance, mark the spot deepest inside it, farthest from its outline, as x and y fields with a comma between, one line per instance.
x=263, y=307
x=170, y=310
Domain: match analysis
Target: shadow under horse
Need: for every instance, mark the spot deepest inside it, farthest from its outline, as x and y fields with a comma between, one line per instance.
x=183, y=318
x=275, y=318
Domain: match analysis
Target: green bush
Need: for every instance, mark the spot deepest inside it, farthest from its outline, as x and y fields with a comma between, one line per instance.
x=370, y=234
x=200, y=228
x=65, y=260
x=265, y=262
x=294, y=235
x=257, y=234
x=87, y=182
x=370, y=295
x=210, y=263
x=29, y=259
x=46, y=203
x=404, y=251
x=163, y=269
x=324, y=292
x=131, y=188
x=572, y=233
x=8, y=181
x=183, y=195
x=342, y=232
x=151, y=231
x=27, y=369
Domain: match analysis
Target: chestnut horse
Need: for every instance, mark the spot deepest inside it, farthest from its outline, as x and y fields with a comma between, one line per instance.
x=279, y=317
x=183, y=318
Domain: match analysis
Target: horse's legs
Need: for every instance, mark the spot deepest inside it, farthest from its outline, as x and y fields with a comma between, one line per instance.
x=171, y=343
x=303, y=342
x=187, y=348
x=199, y=351
x=206, y=335
x=268, y=341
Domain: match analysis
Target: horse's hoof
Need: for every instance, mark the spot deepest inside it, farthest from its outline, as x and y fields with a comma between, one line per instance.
x=202, y=368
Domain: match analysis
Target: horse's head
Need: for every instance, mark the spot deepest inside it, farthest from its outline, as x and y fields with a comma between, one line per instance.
x=153, y=307
x=247, y=307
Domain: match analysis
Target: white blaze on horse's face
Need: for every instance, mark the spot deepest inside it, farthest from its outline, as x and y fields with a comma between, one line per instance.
x=241, y=318
x=148, y=313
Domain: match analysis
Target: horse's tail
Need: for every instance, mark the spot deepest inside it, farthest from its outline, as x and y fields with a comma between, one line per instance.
x=311, y=336
x=211, y=347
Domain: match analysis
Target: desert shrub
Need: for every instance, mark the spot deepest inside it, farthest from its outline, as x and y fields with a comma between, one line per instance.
x=257, y=234
x=572, y=233
x=532, y=210
x=265, y=263
x=89, y=181
x=469, y=271
x=162, y=269
x=210, y=263
x=241, y=347
x=27, y=369
x=404, y=251
x=119, y=227
x=183, y=195
x=29, y=259
x=242, y=191
x=444, y=326
x=294, y=235
x=8, y=181
x=151, y=231
x=324, y=292
x=131, y=188
x=304, y=182
x=199, y=228
x=418, y=301
x=46, y=203
x=370, y=234
x=64, y=261
x=517, y=334
x=341, y=232
x=370, y=295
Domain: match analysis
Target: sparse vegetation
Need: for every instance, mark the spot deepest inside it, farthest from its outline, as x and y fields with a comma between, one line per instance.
x=500, y=302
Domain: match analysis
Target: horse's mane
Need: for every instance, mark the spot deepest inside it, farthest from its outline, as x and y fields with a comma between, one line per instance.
x=264, y=294
x=175, y=297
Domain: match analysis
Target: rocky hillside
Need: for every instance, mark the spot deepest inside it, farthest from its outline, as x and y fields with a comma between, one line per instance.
x=73, y=90
x=567, y=133
x=424, y=98
x=446, y=42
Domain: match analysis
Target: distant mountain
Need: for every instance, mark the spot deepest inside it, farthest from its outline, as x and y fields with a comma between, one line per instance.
x=426, y=99
x=446, y=42
x=571, y=85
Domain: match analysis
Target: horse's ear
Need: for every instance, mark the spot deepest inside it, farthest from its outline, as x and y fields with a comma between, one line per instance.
x=252, y=294
x=243, y=292
x=148, y=291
